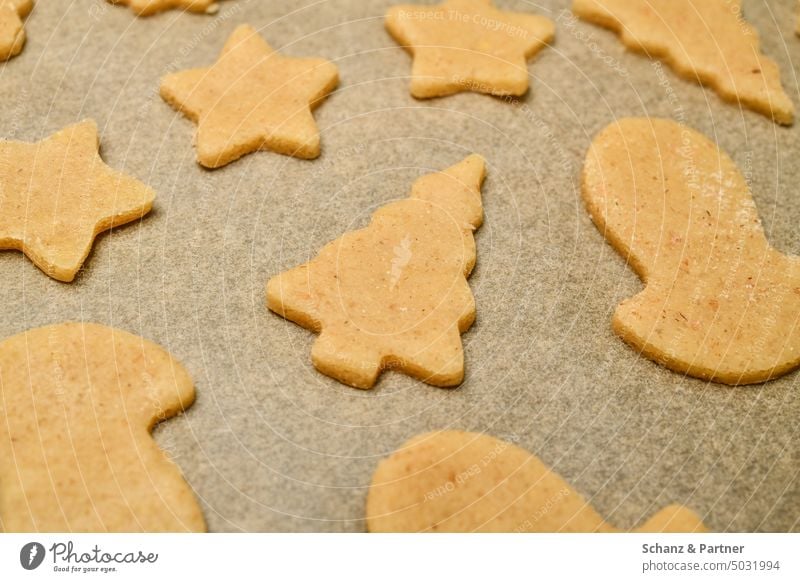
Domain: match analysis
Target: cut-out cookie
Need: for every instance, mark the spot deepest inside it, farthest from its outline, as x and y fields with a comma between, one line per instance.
x=252, y=99
x=702, y=40
x=77, y=404
x=719, y=302
x=148, y=7
x=57, y=195
x=454, y=481
x=394, y=294
x=468, y=45
x=12, y=31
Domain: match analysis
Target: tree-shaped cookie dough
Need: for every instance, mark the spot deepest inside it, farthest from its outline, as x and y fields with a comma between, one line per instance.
x=468, y=45
x=12, y=31
x=706, y=41
x=394, y=294
x=719, y=302
x=252, y=98
x=148, y=7
x=57, y=195
x=77, y=405
x=454, y=481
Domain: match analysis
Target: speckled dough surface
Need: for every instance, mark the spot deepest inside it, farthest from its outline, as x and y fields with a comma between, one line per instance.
x=148, y=7
x=455, y=481
x=78, y=404
x=12, y=31
x=252, y=98
x=704, y=40
x=58, y=194
x=394, y=294
x=719, y=302
x=468, y=45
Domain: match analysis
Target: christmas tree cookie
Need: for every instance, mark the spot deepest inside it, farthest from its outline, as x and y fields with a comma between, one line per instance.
x=468, y=45
x=455, y=481
x=706, y=41
x=77, y=404
x=719, y=302
x=12, y=31
x=394, y=294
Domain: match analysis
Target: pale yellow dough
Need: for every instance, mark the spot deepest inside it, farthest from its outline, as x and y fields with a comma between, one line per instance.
x=468, y=45
x=707, y=41
x=454, y=481
x=394, y=294
x=149, y=7
x=77, y=404
x=252, y=98
x=57, y=195
x=719, y=302
x=12, y=31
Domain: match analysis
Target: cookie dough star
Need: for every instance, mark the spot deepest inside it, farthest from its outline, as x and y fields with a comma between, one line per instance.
x=56, y=195
x=252, y=99
x=148, y=7
x=12, y=33
x=468, y=45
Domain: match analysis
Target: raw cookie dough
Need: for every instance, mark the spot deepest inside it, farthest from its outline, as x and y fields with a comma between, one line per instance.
x=77, y=404
x=12, y=31
x=57, y=195
x=468, y=45
x=394, y=294
x=148, y=7
x=719, y=302
x=703, y=40
x=252, y=98
x=454, y=481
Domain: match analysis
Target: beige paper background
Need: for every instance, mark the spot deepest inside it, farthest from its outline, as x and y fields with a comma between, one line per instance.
x=271, y=445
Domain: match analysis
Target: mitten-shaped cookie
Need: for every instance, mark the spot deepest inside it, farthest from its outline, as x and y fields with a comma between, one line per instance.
x=719, y=302
x=454, y=481
x=77, y=404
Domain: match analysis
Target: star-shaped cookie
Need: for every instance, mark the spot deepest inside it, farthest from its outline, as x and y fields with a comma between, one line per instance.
x=12, y=32
x=148, y=7
x=56, y=195
x=468, y=45
x=252, y=99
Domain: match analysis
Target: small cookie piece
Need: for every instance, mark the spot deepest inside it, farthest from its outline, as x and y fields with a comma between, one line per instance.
x=454, y=481
x=468, y=45
x=57, y=195
x=148, y=7
x=706, y=41
x=12, y=31
x=719, y=302
x=394, y=294
x=252, y=99
x=77, y=404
